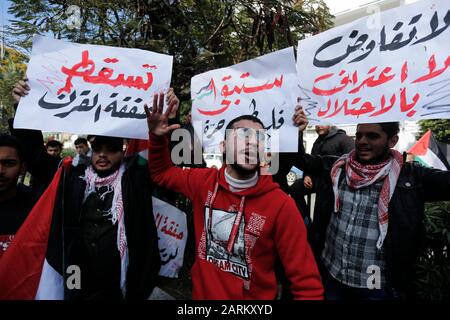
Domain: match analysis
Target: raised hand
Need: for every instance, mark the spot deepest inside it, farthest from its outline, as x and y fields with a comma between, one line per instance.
x=299, y=117
x=157, y=121
x=171, y=98
x=307, y=182
x=20, y=90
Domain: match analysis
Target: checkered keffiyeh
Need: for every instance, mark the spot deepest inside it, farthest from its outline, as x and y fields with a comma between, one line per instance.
x=360, y=176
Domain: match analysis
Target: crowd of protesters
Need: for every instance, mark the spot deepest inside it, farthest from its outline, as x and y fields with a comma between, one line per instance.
x=249, y=228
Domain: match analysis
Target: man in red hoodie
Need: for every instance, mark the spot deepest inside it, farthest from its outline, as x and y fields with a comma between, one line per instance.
x=242, y=220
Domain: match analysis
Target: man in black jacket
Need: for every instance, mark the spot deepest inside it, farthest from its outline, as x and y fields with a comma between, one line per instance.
x=368, y=226
x=106, y=209
x=16, y=200
x=330, y=142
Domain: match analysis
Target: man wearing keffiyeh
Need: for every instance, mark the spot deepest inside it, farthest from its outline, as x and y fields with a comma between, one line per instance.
x=105, y=213
x=367, y=226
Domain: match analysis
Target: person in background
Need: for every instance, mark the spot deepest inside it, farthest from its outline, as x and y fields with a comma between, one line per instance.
x=330, y=142
x=54, y=148
x=16, y=199
x=84, y=153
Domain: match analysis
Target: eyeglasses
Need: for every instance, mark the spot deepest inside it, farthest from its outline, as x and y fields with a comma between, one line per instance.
x=246, y=133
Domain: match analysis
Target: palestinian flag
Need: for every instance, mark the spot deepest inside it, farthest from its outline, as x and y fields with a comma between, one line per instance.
x=137, y=146
x=428, y=152
x=31, y=268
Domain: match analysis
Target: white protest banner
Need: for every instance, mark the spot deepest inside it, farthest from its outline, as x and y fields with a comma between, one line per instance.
x=391, y=70
x=172, y=235
x=265, y=87
x=90, y=89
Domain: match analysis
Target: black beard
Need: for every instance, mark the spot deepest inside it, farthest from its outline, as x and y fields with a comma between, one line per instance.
x=103, y=174
x=243, y=171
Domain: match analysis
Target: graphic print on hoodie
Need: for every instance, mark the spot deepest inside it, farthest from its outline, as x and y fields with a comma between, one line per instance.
x=217, y=239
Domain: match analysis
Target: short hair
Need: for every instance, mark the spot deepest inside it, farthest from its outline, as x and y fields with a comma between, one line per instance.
x=243, y=117
x=390, y=128
x=54, y=144
x=80, y=141
x=7, y=140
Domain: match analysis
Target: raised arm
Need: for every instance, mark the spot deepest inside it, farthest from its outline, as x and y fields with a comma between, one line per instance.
x=162, y=170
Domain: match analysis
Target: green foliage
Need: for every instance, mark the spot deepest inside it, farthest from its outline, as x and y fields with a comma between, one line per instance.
x=68, y=153
x=433, y=269
x=201, y=34
x=440, y=128
x=12, y=69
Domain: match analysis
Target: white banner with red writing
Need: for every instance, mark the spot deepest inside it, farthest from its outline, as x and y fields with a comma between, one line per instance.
x=91, y=89
x=391, y=66
x=172, y=235
x=265, y=87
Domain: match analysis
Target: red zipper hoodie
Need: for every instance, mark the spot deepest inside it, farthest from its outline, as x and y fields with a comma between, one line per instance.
x=238, y=235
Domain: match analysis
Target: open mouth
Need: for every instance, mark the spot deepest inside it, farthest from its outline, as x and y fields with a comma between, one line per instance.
x=102, y=163
x=363, y=151
x=248, y=157
x=249, y=154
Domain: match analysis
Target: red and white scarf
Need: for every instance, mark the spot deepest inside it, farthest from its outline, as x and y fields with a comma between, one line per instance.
x=113, y=182
x=360, y=176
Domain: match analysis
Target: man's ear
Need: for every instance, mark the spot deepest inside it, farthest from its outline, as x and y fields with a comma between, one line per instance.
x=222, y=147
x=393, y=141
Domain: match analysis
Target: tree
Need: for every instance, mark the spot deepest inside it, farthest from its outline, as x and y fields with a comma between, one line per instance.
x=12, y=69
x=201, y=35
x=440, y=128
x=432, y=281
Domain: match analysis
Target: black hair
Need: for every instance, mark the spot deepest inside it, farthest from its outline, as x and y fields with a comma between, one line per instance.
x=7, y=140
x=54, y=144
x=80, y=141
x=390, y=128
x=243, y=117
x=114, y=143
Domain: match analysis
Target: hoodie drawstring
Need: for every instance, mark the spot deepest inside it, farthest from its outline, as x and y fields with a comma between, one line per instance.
x=237, y=222
x=213, y=197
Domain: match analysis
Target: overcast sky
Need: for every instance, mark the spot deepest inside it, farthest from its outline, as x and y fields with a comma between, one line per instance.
x=337, y=6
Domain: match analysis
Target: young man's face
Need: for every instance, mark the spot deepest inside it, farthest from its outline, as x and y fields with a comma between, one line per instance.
x=54, y=151
x=105, y=158
x=245, y=145
x=82, y=148
x=11, y=167
x=372, y=144
x=323, y=130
